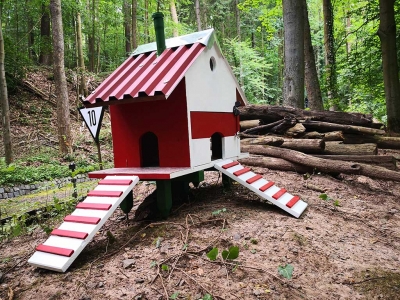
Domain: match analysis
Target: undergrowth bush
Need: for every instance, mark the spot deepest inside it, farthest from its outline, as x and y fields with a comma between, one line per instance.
x=38, y=168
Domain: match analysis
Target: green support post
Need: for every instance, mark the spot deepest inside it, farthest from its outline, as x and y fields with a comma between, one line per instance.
x=164, y=197
x=226, y=182
x=127, y=204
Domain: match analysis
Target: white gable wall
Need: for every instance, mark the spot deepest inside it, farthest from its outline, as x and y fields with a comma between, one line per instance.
x=206, y=90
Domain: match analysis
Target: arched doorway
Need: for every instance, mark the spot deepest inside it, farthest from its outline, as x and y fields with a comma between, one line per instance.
x=216, y=146
x=149, y=150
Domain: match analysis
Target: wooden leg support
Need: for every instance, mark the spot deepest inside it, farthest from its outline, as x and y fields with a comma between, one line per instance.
x=164, y=197
x=127, y=204
x=226, y=182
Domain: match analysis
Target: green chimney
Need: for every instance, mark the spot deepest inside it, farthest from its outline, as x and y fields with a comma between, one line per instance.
x=158, y=18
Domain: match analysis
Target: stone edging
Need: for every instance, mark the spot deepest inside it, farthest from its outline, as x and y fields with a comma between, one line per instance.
x=25, y=189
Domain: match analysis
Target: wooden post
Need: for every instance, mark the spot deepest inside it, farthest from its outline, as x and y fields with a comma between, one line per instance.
x=99, y=154
x=164, y=197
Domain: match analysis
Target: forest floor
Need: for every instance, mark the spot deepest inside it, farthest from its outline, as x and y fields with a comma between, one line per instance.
x=344, y=247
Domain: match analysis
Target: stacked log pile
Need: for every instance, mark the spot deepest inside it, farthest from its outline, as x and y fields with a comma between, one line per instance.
x=286, y=138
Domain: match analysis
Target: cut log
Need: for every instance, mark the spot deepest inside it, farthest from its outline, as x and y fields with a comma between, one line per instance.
x=248, y=136
x=388, y=162
x=265, y=140
x=269, y=113
x=339, y=148
x=325, y=165
x=244, y=125
x=334, y=136
x=274, y=163
x=383, y=142
x=304, y=145
x=296, y=130
x=312, y=135
x=263, y=128
x=326, y=127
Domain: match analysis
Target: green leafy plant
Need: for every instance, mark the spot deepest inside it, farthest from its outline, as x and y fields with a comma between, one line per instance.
x=212, y=254
x=164, y=267
x=286, y=271
x=174, y=295
x=231, y=253
x=219, y=211
x=325, y=197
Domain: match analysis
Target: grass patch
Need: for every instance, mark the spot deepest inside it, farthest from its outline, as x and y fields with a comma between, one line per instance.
x=22, y=204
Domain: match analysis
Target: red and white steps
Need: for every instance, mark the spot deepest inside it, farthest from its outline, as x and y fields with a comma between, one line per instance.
x=67, y=241
x=262, y=187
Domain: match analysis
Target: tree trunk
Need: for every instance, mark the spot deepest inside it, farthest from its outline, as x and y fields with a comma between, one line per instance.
x=339, y=148
x=92, y=37
x=312, y=135
x=270, y=113
x=174, y=17
x=5, y=110
x=265, y=140
x=304, y=145
x=274, y=163
x=333, y=136
x=388, y=162
x=198, y=14
x=146, y=20
x=237, y=16
x=330, y=60
x=81, y=61
x=310, y=70
x=387, y=35
x=63, y=120
x=328, y=165
x=134, y=23
x=244, y=125
x=31, y=34
x=383, y=142
x=293, y=85
x=126, y=8
x=45, y=41
x=326, y=127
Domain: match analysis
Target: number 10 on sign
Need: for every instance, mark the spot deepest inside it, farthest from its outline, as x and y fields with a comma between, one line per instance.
x=93, y=117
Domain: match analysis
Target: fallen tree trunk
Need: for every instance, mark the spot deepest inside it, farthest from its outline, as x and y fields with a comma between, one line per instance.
x=274, y=163
x=326, y=127
x=383, y=142
x=270, y=113
x=244, y=125
x=339, y=148
x=312, y=135
x=325, y=165
x=385, y=161
x=334, y=136
x=264, y=140
x=304, y=145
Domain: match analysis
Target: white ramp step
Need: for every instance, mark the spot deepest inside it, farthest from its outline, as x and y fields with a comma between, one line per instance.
x=67, y=241
x=262, y=187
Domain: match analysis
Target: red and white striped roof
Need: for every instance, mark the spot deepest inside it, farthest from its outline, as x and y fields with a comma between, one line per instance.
x=146, y=75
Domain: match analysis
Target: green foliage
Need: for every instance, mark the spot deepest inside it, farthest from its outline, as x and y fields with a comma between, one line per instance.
x=286, y=271
x=38, y=168
x=232, y=253
x=219, y=211
x=174, y=295
x=164, y=267
x=212, y=254
x=325, y=197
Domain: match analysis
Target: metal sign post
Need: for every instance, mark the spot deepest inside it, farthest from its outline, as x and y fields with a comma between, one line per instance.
x=93, y=118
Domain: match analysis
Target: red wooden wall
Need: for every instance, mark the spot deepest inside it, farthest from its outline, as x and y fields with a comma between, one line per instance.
x=165, y=118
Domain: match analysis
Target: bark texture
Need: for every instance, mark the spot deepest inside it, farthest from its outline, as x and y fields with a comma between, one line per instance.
x=45, y=56
x=330, y=58
x=174, y=17
x=63, y=119
x=81, y=61
x=134, y=23
x=5, y=110
x=271, y=113
x=310, y=70
x=126, y=8
x=293, y=83
x=387, y=35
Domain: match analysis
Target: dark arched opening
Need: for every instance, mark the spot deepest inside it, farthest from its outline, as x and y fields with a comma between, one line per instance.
x=149, y=150
x=216, y=146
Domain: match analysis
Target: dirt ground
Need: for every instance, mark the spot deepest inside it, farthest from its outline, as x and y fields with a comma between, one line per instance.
x=346, y=247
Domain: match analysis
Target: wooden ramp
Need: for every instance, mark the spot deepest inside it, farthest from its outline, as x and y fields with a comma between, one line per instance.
x=262, y=187
x=67, y=241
